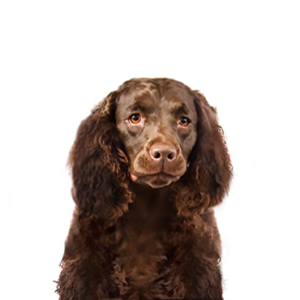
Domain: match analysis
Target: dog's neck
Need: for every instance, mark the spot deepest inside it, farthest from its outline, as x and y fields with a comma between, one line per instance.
x=145, y=191
x=150, y=205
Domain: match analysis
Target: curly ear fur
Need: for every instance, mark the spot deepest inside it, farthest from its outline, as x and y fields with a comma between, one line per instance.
x=207, y=179
x=99, y=165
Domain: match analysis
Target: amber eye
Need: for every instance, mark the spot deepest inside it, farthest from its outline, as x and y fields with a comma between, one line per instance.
x=184, y=121
x=135, y=118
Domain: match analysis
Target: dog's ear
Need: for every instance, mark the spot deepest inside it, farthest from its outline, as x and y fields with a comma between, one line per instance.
x=99, y=165
x=212, y=165
x=210, y=171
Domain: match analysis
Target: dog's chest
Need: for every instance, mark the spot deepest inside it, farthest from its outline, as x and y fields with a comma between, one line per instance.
x=141, y=254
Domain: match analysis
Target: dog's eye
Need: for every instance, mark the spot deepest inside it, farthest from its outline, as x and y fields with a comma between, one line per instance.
x=184, y=121
x=135, y=118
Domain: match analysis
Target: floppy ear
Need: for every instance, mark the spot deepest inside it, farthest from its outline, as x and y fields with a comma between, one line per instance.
x=210, y=171
x=212, y=166
x=99, y=165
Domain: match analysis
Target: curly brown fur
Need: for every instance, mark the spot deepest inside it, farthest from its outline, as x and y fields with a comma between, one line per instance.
x=143, y=227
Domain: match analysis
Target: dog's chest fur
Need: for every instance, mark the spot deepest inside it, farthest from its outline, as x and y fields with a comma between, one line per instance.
x=141, y=253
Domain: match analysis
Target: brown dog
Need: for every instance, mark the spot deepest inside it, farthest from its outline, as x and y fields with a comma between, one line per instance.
x=147, y=166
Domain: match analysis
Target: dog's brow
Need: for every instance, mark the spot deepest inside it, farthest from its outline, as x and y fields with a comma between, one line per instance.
x=143, y=103
x=178, y=108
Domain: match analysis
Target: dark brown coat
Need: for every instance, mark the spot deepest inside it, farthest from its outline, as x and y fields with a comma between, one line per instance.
x=147, y=166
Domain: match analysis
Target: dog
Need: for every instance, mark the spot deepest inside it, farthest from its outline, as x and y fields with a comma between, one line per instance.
x=148, y=165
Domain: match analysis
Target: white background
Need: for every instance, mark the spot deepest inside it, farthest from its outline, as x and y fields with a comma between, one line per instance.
x=60, y=58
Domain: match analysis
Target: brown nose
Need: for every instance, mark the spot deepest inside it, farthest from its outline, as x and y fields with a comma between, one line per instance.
x=163, y=152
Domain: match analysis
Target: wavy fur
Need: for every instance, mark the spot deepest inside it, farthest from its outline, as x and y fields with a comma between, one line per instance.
x=102, y=259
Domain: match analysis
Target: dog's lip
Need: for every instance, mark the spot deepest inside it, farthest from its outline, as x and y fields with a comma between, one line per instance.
x=159, y=174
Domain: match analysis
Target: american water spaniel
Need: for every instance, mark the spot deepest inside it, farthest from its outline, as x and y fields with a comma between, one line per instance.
x=148, y=164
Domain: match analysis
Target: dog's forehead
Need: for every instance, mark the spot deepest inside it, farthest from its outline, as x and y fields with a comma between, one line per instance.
x=176, y=98
x=149, y=98
x=138, y=97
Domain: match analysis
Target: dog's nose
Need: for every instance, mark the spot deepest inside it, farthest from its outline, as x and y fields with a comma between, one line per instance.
x=163, y=152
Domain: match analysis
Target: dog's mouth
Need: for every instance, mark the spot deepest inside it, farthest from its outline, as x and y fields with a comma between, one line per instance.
x=156, y=180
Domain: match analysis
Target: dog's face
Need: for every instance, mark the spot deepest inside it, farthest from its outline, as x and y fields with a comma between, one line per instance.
x=158, y=129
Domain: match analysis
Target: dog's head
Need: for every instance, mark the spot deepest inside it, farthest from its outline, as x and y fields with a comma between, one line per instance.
x=153, y=132
x=157, y=122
